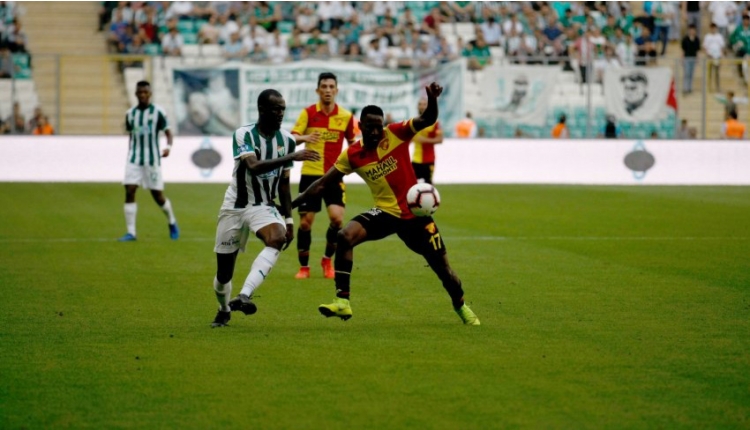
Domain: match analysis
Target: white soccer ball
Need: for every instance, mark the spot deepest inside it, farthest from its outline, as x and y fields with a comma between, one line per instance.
x=423, y=199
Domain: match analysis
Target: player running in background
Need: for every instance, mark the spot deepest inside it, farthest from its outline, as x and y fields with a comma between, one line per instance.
x=144, y=122
x=322, y=127
x=263, y=156
x=381, y=158
x=423, y=160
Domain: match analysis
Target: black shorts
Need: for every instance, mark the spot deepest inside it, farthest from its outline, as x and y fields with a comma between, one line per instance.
x=424, y=171
x=420, y=234
x=333, y=194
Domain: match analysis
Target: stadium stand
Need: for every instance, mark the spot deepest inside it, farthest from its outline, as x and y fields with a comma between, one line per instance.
x=273, y=32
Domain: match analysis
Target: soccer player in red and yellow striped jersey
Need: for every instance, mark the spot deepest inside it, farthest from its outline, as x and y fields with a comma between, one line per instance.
x=423, y=159
x=381, y=158
x=322, y=127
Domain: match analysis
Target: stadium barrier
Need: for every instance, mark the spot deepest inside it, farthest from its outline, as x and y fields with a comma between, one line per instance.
x=538, y=161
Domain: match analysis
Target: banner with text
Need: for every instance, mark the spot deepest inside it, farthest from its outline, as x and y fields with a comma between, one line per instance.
x=200, y=111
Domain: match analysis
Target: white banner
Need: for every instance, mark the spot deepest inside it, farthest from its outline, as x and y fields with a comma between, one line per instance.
x=205, y=99
x=638, y=94
x=594, y=162
x=517, y=94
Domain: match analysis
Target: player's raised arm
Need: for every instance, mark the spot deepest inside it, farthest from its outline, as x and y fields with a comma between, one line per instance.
x=332, y=176
x=430, y=115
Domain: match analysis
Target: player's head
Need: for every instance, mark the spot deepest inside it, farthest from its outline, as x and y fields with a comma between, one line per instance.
x=422, y=105
x=732, y=114
x=327, y=87
x=143, y=92
x=371, y=123
x=271, y=108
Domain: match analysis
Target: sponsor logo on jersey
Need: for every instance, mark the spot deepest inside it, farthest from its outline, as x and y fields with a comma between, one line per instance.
x=431, y=228
x=382, y=169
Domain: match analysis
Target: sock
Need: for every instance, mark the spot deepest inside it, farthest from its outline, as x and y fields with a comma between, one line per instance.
x=260, y=269
x=130, y=211
x=223, y=294
x=331, y=234
x=453, y=287
x=167, y=209
x=343, y=275
x=304, y=239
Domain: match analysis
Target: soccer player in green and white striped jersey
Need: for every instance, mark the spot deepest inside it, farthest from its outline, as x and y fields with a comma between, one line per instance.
x=263, y=158
x=144, y=122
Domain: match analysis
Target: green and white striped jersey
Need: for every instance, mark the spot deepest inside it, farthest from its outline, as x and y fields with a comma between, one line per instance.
x=249, y=189
x=144, y=126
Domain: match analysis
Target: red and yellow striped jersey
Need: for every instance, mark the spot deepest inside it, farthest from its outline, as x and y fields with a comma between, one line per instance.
x=333, y=129
x=425, y=152
x=386, y=169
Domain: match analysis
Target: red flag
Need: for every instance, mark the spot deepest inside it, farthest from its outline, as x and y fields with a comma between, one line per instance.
x=672, y=98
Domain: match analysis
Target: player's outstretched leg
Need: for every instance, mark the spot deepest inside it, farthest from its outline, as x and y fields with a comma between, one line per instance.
x=452, y=285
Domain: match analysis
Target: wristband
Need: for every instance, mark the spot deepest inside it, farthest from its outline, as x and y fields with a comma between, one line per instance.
x=290, y=220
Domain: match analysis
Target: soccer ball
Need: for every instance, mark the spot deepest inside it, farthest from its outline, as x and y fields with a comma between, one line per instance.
x=423, y=199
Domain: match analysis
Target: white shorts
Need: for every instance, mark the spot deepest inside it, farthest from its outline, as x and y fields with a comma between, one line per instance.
x=235, y=225
x=148, y=177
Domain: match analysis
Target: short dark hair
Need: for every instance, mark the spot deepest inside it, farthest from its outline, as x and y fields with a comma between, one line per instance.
x=563, y=118
x=733, y=114
x=327, y=75
x=142, y=84
x=692, y=26
x=370, y=110
x=265, y=96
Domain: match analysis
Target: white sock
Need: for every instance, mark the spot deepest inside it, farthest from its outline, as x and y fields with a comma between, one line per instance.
x=223, y=294
x=167, y=209
x=130, y=211
x=260, y=269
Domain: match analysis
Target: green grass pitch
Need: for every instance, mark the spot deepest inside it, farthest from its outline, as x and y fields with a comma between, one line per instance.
x=601, y=307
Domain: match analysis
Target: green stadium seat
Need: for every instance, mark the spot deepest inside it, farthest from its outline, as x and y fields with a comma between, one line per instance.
x=152, y=49
x=186, y=26
x=285, y=27
x=190, y=38
x=23, y=70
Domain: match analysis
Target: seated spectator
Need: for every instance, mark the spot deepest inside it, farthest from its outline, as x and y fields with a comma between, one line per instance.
x=353, y=52
x=315, y=42
x=7, y=67
x=38, y=114
x=627, y=51
x=512, y=24
x=492, y=32
x=404, y=55
x=180, y=10
x=367, y=18
x=335, y=42
x=228, y=26
x=478, y=54
x=209, y=31
x=377, y=55
x=204, y=9
x=431, y=23
x=446, y=52
x=407, y=17
x=235, y=49
x=17, y=126
x=125, y=40
x=423, y=54
x=553, y=33
x=16, y=116
x=172, y=42
x=135, y=47
x=43, y=127
x=278, y=52
x=117, y=30
x=123, y=9
x=306, y=20
x=297, y=49
x=258, y=53
x=148, y=28
x=608, y=31
x=646, y=48
x=352, y=30
x=266, y=16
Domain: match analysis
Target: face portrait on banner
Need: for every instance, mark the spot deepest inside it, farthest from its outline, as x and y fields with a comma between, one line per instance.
x=635, y=91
